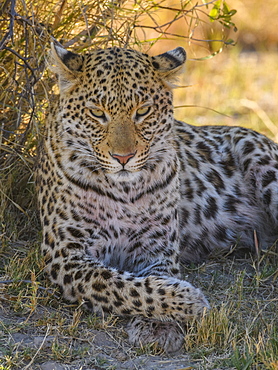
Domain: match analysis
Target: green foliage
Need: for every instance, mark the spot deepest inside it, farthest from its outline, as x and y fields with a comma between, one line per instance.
x=242, y=361
x=221, y=12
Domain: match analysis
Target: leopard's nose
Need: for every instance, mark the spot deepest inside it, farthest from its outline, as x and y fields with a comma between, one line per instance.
x=123, y=159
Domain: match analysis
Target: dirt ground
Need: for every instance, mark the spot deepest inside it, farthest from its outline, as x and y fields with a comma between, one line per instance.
x=101, y=349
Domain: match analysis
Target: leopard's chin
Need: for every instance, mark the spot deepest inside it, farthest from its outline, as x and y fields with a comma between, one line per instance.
x=124, y=175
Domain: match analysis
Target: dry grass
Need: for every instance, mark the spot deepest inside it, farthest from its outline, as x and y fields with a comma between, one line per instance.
x=241, y=329
x=232, y=89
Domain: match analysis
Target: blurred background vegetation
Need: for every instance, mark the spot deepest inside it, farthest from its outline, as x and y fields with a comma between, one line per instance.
x=231, y=76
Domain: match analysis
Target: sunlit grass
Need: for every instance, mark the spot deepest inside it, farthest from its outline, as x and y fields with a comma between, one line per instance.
x=241, y=87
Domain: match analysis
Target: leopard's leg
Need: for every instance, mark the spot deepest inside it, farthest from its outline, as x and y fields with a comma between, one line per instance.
x=166, y=335
x=259, y=163
x=266, y=184
x=106, y=290
x=265, y=180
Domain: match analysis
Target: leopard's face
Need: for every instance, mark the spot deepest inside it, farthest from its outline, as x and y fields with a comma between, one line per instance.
x=116, y=110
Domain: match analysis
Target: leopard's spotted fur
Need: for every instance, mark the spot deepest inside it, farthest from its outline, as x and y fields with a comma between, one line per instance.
x=126, y=192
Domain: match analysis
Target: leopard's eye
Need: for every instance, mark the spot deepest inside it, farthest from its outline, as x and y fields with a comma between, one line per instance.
x=97, y=113
x=143, y=111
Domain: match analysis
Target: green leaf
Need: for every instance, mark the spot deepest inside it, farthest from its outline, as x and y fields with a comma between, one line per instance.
x=232, y=12
x=230, y=42
x=225, y=8
x=214, y=13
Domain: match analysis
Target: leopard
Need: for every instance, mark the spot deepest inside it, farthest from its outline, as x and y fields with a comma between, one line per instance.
x=127, y=194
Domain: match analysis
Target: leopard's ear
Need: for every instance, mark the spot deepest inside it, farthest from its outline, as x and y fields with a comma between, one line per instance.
x=67, y=65
x=169, y=65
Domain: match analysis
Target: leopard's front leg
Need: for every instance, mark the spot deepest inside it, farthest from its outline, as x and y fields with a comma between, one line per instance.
x=106, y=290
x=143, y=284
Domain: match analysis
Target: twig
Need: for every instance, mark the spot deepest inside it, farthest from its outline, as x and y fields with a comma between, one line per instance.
x=24, y=61
x=250, y=104
x=38, y=350
x=257, y=248
x=9, y=33
x=94, y=29
x=202, y=107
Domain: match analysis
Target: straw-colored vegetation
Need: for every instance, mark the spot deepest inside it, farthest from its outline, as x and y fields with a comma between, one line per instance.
x=232, y=87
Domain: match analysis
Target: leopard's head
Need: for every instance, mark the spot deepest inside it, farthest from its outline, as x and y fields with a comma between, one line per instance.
x=116, y=112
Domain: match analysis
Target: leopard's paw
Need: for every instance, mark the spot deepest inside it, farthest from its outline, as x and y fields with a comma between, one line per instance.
x=166, y=335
